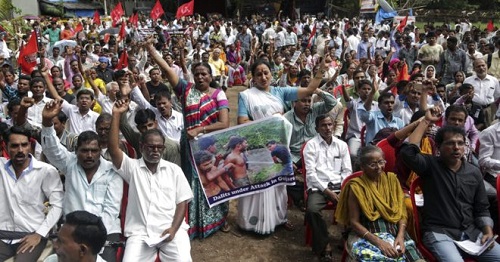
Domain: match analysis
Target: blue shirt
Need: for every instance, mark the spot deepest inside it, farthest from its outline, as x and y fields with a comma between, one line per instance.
x=375, y=121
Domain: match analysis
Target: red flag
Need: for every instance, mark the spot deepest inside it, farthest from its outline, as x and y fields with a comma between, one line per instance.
x=490, y=26
x=97, y=18
x=185, y=9
x=311, y=37
x=116, y=14
x=157, y=10
x=28, y=54
x=134, y=19
x=402, y=24
x=122, y=34
x=123, y=61
x=78, y=28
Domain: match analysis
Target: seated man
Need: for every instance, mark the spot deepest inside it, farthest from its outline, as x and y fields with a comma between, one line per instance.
x=91, y=182
x=158, y=197
x=327, y=162
x=25, y=184
x=376, y=120
x=80, y=239
x=456, y=205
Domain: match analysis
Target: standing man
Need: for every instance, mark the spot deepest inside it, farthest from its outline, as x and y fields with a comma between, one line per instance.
x=25, y=185
x=91, y=182
x=453, y=189
x=158, y=197
x=327, y=163
x=451, y=61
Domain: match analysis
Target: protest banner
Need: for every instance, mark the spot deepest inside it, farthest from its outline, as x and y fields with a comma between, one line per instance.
x=244, y=159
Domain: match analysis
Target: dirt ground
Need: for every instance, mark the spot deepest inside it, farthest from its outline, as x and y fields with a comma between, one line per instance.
x=283, y=245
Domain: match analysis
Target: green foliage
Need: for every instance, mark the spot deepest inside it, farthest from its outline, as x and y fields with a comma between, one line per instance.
x=266, y=172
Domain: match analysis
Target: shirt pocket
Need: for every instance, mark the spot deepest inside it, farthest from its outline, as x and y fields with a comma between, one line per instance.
x=99, y=193
x=165, y=196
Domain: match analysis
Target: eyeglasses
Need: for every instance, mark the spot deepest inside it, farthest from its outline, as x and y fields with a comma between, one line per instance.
x=155, y=147
x=377, y=164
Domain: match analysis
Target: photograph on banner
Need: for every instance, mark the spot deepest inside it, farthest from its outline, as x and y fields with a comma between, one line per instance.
x=244, y=159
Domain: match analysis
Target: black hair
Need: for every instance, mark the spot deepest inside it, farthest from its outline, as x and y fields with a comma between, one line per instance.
x=76, y=75
x=12, y=103
x=417, y=115
x=258, y=63
x=118, y=74
x=62, y=117
x=103, y=117
x=414, y=76
x=206, y=65
x=202, y=156
x=161, y=94
x=320, y=118
x=89, y=230
x=304, y=72
x=16, y=130
x=439, y=138
x=85, y=91
x=364, y=82
x=455, y=108
x=143, y=116
x=86, y=137
x=37, y=79
x=25, y=77
x=464, y=87
x=384, y=96
x=234, y=141
x=271, y=142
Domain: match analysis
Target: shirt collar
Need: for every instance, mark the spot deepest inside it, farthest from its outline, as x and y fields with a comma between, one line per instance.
x=33, y=164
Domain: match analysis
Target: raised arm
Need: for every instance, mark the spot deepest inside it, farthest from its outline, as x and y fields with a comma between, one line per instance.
x=50, y=87
x=172, y=77
x=114, y=150
x=315, y=81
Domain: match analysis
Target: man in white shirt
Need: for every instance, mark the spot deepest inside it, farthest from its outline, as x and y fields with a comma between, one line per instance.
x=37, y=87
x=158, y=197
x=327, y=163
x=170, y=122
x=486, y=89
x=91, y=182
x=81, y=118
x=25, y=185
x=80, y=239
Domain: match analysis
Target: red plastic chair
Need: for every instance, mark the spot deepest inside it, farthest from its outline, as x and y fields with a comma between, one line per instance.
x=420, y=245
x=389, y=155
x=363, y=131
x=346, y=124
x=347, y=179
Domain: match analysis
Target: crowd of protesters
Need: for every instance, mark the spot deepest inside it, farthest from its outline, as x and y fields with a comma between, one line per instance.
x=109, y=114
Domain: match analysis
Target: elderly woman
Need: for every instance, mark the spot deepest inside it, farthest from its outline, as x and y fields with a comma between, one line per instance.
x=205, y=110
x=262, y=212
x=372, y=205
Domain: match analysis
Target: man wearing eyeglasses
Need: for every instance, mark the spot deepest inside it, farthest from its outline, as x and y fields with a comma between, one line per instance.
x=158, y=197
x=456, y=205
x=327, y=163
x=91, y=183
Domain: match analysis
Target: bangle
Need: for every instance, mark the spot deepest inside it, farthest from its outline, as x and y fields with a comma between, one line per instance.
x=204, y=130
x=366, y=233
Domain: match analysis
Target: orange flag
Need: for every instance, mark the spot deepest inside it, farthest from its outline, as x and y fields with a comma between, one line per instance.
x=185, y=9
x=97, y=18
x=157, y=10
x=123, y=61
x=122, y=34
x=116, y=14
x=402, y=24
x=28, y=54
x=490, y=26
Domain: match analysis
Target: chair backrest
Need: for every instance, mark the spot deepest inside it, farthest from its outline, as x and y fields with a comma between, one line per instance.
x=351, y=176
x=389, y=155
x=363, y=131
x=346, y=123
x=416, y=215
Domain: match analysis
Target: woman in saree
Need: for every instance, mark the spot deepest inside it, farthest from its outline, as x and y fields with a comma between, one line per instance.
x=372, y=205
x=205, y=110
x=262, y=212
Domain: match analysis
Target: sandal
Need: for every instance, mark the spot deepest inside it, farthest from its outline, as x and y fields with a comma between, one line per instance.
x=289, y=226
x=226, y=228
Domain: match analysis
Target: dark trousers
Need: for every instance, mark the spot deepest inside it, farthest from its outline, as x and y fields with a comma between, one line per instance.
x=316, y=201
x=7, y=251
x=109, y=253
x=492, y=198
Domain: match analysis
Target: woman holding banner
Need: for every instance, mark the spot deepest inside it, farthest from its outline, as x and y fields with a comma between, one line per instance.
x=205, y=109
x=262, y=212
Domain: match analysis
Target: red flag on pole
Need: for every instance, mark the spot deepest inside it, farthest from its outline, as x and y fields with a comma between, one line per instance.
x=116, y=14
x=402, y=24
x=157, y=10
x=123, y=61
x=490, y=26
x=134, y=19
x=28, y=54
x=311, y=37
x=78, y=28
x=97, y=17
x=122, y=34
x=185, y=9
